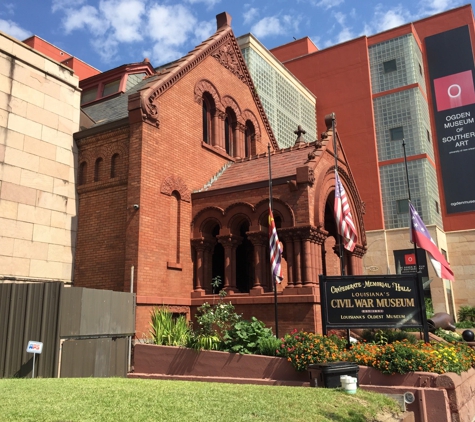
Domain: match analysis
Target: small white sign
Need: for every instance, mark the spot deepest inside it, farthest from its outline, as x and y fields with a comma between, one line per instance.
x=34, y=347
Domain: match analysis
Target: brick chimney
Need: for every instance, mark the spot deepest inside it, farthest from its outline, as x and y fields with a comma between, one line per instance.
x=223, y=19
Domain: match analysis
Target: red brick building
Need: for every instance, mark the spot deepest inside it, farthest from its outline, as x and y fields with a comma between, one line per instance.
x=173, y=191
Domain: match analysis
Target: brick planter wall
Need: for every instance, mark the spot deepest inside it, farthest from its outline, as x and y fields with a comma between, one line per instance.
x=439, y=398
x=167, y=362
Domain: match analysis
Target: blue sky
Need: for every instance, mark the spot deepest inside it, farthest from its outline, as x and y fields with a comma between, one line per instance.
x=108, y=33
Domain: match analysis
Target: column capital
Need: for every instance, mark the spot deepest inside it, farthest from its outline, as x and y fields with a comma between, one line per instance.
x=229, y=240
x=359, y=251
x=258, y=238
x=319, y=235
x=202, y=243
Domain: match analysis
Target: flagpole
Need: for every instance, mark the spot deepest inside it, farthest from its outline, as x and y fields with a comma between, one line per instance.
x=422, y=303
x=409, y=197
x=340, y=242
x=273, y=277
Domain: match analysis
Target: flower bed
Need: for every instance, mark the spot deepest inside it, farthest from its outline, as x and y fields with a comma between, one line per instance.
x=400, y=357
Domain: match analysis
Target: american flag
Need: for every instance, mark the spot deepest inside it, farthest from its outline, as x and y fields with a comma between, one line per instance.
x=421, y=237
x=344, y=221
x=275, y=250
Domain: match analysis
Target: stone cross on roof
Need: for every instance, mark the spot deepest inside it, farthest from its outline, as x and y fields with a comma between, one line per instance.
x=299, y=132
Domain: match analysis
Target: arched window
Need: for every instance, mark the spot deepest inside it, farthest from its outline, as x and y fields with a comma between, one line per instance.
x=174, y=224
x=114, y=163
x=249, y=140
x=98, y=169
x=82, y=173
x=208, y=108
x=229, y=131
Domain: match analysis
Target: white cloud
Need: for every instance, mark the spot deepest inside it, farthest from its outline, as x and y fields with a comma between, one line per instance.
x=276, y=25
x=345, y=35
x=106, y=48
x=65, y=4
x=269, y=25
x=10, y=8
x=14, y=30
x=168, y=28
x=327, y=4
x=250, y=15
x=431, y=7
x=86, y=17
x=125, y=16
x=209, y=3
x=387, y=19
x=204, y=30
x=170, y=24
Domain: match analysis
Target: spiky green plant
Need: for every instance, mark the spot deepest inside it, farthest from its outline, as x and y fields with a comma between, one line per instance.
x=168, y=331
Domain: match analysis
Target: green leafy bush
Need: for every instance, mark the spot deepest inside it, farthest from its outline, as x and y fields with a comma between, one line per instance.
x=269, y=346
x=213, y=323
x=466, y=313
x=465, y=324
x=168, y=331
x=387, y=336
x=245, y=336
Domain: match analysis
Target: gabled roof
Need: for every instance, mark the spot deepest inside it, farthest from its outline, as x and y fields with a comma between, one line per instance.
x=255, y=169
x=140, y=102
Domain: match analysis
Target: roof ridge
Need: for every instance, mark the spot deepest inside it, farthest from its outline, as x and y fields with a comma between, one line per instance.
x=213, y=179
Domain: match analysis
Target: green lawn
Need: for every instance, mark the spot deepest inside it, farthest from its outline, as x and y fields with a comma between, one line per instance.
x=118, y=399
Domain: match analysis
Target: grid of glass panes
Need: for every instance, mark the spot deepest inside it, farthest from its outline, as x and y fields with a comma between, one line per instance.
x=424, y=192
x=285, y=106
x=409, y=110
x=405, y=51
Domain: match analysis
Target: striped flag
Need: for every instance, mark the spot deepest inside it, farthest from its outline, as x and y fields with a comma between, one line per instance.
x=344, y=221
x=275, y=250
x=421, y=237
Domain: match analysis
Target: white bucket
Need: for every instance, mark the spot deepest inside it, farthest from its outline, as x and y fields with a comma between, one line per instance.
x=348, y=384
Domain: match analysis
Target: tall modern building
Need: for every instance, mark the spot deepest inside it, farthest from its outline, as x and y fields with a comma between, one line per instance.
x=414, y=84
x=287, y=102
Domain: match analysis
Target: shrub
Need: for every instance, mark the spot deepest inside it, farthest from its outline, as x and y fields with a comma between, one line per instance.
x=429, y=307
x=465, y=324
x=387, y=336
x=269, y=346
x=213, y=323
x=167, y=331
x=244, y=337
x=466, y=313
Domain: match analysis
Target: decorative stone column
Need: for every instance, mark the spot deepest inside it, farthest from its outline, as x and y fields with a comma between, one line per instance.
x=203, y=247
x=297, y=260
x=240, y=133
x=289, y=255
x=218, y=129
x=318, y=238
x=258, y=240
x=230, y=243
x=357, y=260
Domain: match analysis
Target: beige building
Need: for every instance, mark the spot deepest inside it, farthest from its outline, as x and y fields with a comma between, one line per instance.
x=39, y=112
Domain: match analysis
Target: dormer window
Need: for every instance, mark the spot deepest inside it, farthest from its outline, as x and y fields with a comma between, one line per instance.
x=89, y=95
x=111, y=88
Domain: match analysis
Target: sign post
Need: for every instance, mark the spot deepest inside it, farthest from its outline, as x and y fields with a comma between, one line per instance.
x=34, y=347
